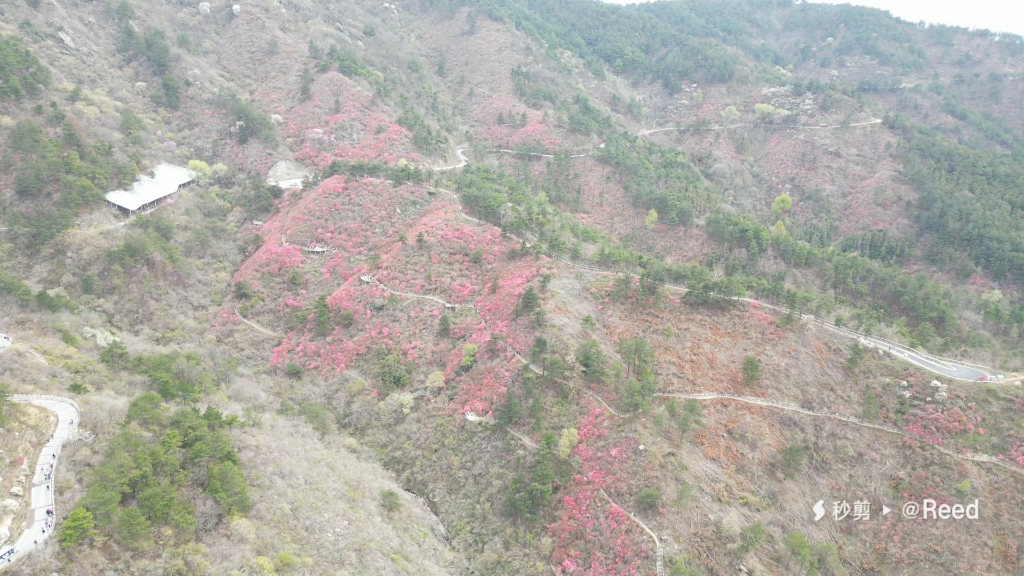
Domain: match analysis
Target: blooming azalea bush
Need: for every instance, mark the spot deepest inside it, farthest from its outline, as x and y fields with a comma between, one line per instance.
x=412, y=242
x=591, y=535
x=359, y=129
x=938, y=424
x=513, y=131
x=766, y=320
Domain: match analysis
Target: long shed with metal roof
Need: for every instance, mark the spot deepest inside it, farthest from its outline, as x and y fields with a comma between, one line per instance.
x=148, y=192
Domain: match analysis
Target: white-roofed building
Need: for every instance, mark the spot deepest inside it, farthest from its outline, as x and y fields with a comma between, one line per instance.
x=148, y=192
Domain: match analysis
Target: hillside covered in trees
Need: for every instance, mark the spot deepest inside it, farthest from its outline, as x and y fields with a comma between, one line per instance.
x=566, y=287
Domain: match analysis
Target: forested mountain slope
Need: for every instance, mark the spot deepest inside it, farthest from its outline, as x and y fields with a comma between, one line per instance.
x=541, y=242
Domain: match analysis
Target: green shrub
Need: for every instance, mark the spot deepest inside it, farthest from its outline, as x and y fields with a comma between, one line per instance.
x=346, y=318
x=792, y=459
x=131, y=123
x=856, y=357
x=89, y=282
x=133, y=528
x=21, y=73
x=318, y=417
x=228, y=489
x=116, y=356
x=390, y=500
x=527, y=303
x=592, y=359
x=540, y=346
x=649, y=500
x=14, y=286
x=323, y=317
x=751, y=370
x=148, y=410
x=79, y=527
x=751, y=537
x=173, y=375
x=172, y=92
x=871, y=406
x=242, y=291
x=293, y=371
x=394, y=372
x=468, y=357
x=684, y=567
x=251, y=123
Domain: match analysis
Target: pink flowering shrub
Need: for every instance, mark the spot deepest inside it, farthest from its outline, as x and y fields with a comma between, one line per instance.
x=772, y=329
x=937, y=425
x=591, y=535
x=514, y=132
x=1016, y=453
x=359, y=129
x=413, y=243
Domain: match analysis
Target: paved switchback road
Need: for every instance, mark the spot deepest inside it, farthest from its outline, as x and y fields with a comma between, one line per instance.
x=39, y=525
x=950, y=370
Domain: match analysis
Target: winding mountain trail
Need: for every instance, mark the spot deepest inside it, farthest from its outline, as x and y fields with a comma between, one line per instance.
x=955, y=369
x=462, y=161
x=606, y=405
x=256, y=326
x=448, y=305
x=537, y=154
x=43, y=508
x=529, y=443
x=645, y=132
x=970, y=456
x=659, y=558
x=373, y=280
x=6, y=342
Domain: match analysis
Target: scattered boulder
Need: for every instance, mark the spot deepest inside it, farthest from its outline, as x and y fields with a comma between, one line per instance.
x=236, y=9
x=472, y=417
x=204, y=7
x=17, y=491
x=66, y=39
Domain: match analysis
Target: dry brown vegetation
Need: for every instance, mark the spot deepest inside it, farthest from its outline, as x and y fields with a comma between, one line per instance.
x=320, y=446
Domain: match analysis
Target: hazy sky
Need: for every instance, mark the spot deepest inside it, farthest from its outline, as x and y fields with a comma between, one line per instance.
x=995, y=15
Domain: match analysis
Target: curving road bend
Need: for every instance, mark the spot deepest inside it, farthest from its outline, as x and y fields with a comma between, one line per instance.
x=40, y=522
x=462, y=161
x=954, y=371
